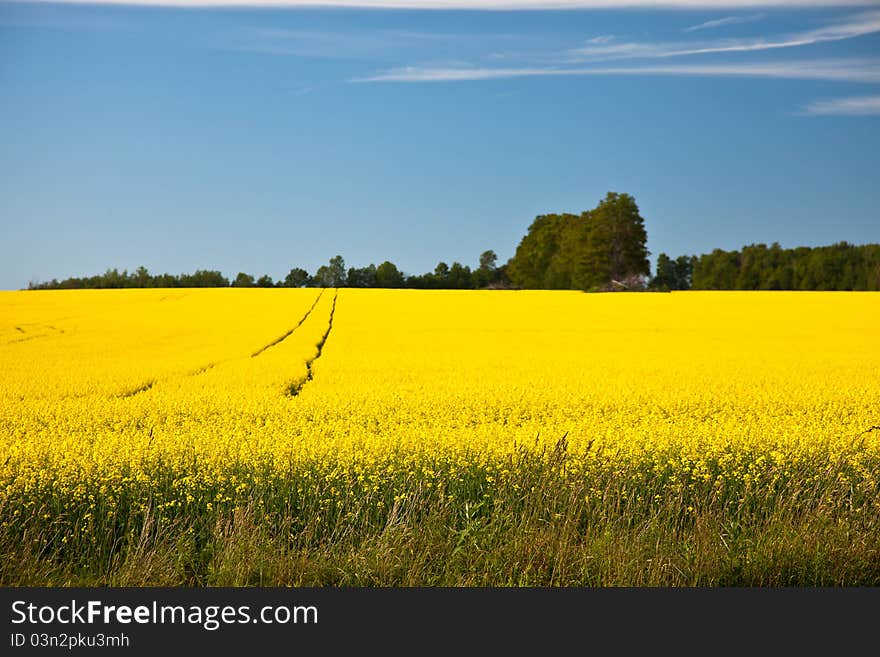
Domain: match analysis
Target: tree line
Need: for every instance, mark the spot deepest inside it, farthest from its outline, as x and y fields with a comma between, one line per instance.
x=334, y=274
x=840, y=266
x=602, y=249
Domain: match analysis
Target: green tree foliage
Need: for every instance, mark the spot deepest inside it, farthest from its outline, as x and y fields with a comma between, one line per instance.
x=436, y=280
x=141, y=277
x=673, y=274
x=683, y=272
x=169, y=280
x=422, y=281
x=540, y=262
x=587, y=251
x=388, y=275
x=203, y=278
x=487, y=274
x=331, y=274
x=361, y=276
x=840, y=266
x=296, y=277
x=459, y=277
x=243, y=280
x=615, y=249
x=664, y=279
x=488, y=261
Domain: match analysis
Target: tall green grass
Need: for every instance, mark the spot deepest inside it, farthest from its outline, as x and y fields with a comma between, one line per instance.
x=541, y=518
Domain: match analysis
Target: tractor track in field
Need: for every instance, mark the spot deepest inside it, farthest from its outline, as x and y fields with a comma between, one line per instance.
x=297, y=387
x=290, y=332
x=53, y=331
x=149, y=384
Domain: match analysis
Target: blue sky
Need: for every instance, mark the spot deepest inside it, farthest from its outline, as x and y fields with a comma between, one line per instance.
x=258, y=139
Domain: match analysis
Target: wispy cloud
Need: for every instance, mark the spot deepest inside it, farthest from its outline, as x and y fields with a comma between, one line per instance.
x=721, y=22
x=342, y=44
x=849, y=70
x=852, y=106
x=482, y=4
x=378, y=45
x=855, y=26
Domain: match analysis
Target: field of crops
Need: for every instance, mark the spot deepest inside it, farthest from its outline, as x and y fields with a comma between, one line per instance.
x=403, y=437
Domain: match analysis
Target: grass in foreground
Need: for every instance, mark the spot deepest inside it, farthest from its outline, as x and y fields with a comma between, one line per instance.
x=541, y=519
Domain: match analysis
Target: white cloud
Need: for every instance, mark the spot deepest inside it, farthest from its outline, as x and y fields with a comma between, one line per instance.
x=721, y=22
x=833, y=70
x=856, y=26
x=853, y=106
x=483, y=4
x=351, y=44
x=368, y=44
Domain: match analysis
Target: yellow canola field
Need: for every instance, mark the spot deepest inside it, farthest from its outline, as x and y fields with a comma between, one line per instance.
x=84, y=343
x=628, y=371
x=188, y=397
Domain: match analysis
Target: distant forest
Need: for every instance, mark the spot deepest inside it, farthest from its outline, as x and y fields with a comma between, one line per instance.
x=603, y=249
x=333, y=274
x=841, y=266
